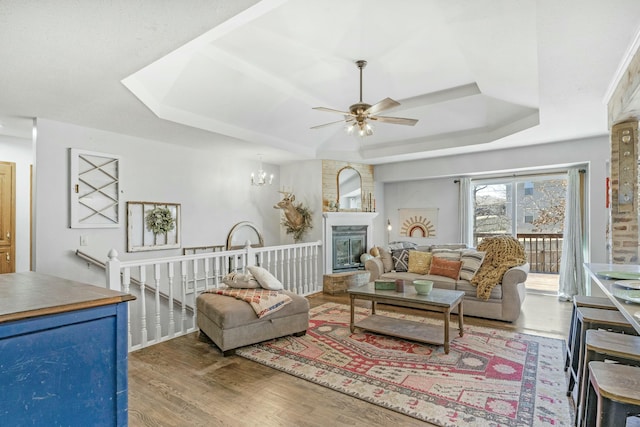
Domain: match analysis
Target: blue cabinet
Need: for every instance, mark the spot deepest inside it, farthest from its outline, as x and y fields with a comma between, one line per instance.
x=63, y=352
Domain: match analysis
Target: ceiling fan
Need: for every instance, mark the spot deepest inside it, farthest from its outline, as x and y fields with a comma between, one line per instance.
x=361, y=113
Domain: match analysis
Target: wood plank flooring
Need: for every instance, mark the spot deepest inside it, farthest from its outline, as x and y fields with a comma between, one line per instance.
x=187, y=382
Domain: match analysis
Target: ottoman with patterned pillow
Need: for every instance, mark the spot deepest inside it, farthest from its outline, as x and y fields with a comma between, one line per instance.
x=231, y=323
x=253, y=307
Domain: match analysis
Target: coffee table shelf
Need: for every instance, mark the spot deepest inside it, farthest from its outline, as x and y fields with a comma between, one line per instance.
x=405, y=329
x=439, y=300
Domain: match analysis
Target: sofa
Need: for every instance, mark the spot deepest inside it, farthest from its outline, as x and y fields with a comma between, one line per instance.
x=504, y=298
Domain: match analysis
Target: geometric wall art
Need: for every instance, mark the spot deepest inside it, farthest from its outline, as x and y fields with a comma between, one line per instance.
x=421, y=222
x=95, y=189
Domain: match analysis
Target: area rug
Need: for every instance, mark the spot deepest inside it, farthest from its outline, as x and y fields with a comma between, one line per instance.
x=490, y=377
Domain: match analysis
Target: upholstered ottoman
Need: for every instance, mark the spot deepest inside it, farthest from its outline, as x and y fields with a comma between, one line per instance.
x=231, y=323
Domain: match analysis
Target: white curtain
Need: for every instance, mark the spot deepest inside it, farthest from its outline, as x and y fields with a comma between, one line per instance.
x=572, y=277
x=464, y=210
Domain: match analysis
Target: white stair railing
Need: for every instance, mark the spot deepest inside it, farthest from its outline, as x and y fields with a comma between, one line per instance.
x=167, y=288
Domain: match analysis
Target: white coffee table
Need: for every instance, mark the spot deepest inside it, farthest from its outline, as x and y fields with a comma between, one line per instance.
x=439, y=300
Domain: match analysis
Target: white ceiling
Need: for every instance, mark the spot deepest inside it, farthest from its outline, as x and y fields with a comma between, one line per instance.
x=477, y=74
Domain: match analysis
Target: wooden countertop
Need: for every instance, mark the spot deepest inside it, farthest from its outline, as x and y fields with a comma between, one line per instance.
x=31, y=294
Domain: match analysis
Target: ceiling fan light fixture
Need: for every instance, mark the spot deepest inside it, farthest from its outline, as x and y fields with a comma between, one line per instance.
x=365, y=129
x=360, y=113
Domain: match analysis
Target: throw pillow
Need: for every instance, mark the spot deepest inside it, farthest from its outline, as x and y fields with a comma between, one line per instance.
x=450, y=254
x=387, y=260
x=266, y=279
x=400, y=260
x=419, y=262
x=402, y=245
x=471, y=262
x=445, y=267
x=239, y=280
x=374, y=251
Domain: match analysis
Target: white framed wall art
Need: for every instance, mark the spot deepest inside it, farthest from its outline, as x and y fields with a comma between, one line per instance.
x=95, y=189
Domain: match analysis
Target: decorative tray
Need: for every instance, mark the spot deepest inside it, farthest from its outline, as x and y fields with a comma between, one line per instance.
x=627, y=275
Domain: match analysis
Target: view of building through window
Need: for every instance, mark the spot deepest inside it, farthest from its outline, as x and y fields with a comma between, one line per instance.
x=530, y=208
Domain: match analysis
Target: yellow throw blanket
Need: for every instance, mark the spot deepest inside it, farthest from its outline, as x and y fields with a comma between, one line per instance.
x=501, y=253
x=262, y=301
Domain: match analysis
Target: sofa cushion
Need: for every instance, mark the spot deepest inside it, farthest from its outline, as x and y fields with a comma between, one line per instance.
x=471, y=262
x=400, y=259
x=444, y=267
x=439, y=282
x=419, y=262
x=387, y=260
x=470, y=291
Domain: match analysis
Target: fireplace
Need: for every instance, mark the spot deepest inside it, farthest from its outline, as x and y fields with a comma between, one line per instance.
x=349, y=242
x=353, y=236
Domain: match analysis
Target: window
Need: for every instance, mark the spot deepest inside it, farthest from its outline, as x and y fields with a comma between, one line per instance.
x=528, y=188
x=518, y=205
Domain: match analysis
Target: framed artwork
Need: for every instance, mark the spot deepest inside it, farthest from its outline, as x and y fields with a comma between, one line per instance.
x=95, y=189
x=152, y=226
x=418, y=222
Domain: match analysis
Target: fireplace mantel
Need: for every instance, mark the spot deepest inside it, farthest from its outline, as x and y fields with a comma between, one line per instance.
x=330, y=219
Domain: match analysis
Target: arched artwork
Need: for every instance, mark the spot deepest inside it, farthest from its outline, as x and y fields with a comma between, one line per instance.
x=418, y=222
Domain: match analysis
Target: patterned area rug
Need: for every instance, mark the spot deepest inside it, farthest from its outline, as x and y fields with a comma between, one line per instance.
x=489, y=378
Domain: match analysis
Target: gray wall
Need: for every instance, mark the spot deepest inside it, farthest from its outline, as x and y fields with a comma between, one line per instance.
x=429, y=183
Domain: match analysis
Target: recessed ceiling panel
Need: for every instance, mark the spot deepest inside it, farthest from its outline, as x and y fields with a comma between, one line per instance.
x=260, y=79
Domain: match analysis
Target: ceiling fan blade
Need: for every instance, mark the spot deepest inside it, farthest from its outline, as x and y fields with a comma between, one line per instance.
x=385, y=104
x=395, y=120
x=331, y=110
x=332, y=123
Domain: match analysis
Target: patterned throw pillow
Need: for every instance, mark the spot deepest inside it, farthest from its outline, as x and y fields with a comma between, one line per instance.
x=401, y=245
x=445, y=267
x=419, y=262
x=400, y=260
x=450, y=254
x=471, y=262
x=239, y=280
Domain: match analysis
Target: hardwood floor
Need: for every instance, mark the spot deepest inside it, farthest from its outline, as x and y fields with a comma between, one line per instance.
x=543, y=282
x=187, y=382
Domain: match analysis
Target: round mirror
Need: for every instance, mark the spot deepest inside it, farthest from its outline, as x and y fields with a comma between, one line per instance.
x=349, y=189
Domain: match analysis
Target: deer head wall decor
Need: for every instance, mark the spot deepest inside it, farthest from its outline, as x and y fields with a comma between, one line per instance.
x=297, y=219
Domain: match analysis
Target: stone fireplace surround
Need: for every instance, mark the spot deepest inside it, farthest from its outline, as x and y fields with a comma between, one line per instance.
x=331, y=219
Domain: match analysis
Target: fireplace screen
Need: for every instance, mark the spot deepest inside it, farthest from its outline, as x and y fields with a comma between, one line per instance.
x=349, y=243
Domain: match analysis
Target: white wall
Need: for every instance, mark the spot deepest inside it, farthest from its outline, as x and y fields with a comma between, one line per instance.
x=213, y=189
x=304, y=179
x=19, y=151
x=440, y=193
x=429, y=183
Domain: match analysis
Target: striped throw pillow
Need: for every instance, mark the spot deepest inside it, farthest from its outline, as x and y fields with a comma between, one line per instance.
x=471, y=262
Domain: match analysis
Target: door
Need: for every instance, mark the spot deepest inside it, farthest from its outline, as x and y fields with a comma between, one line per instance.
x=7, y=217
x=530, y=208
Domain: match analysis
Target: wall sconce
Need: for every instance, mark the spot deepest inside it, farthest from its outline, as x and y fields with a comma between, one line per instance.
x=388, y=230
